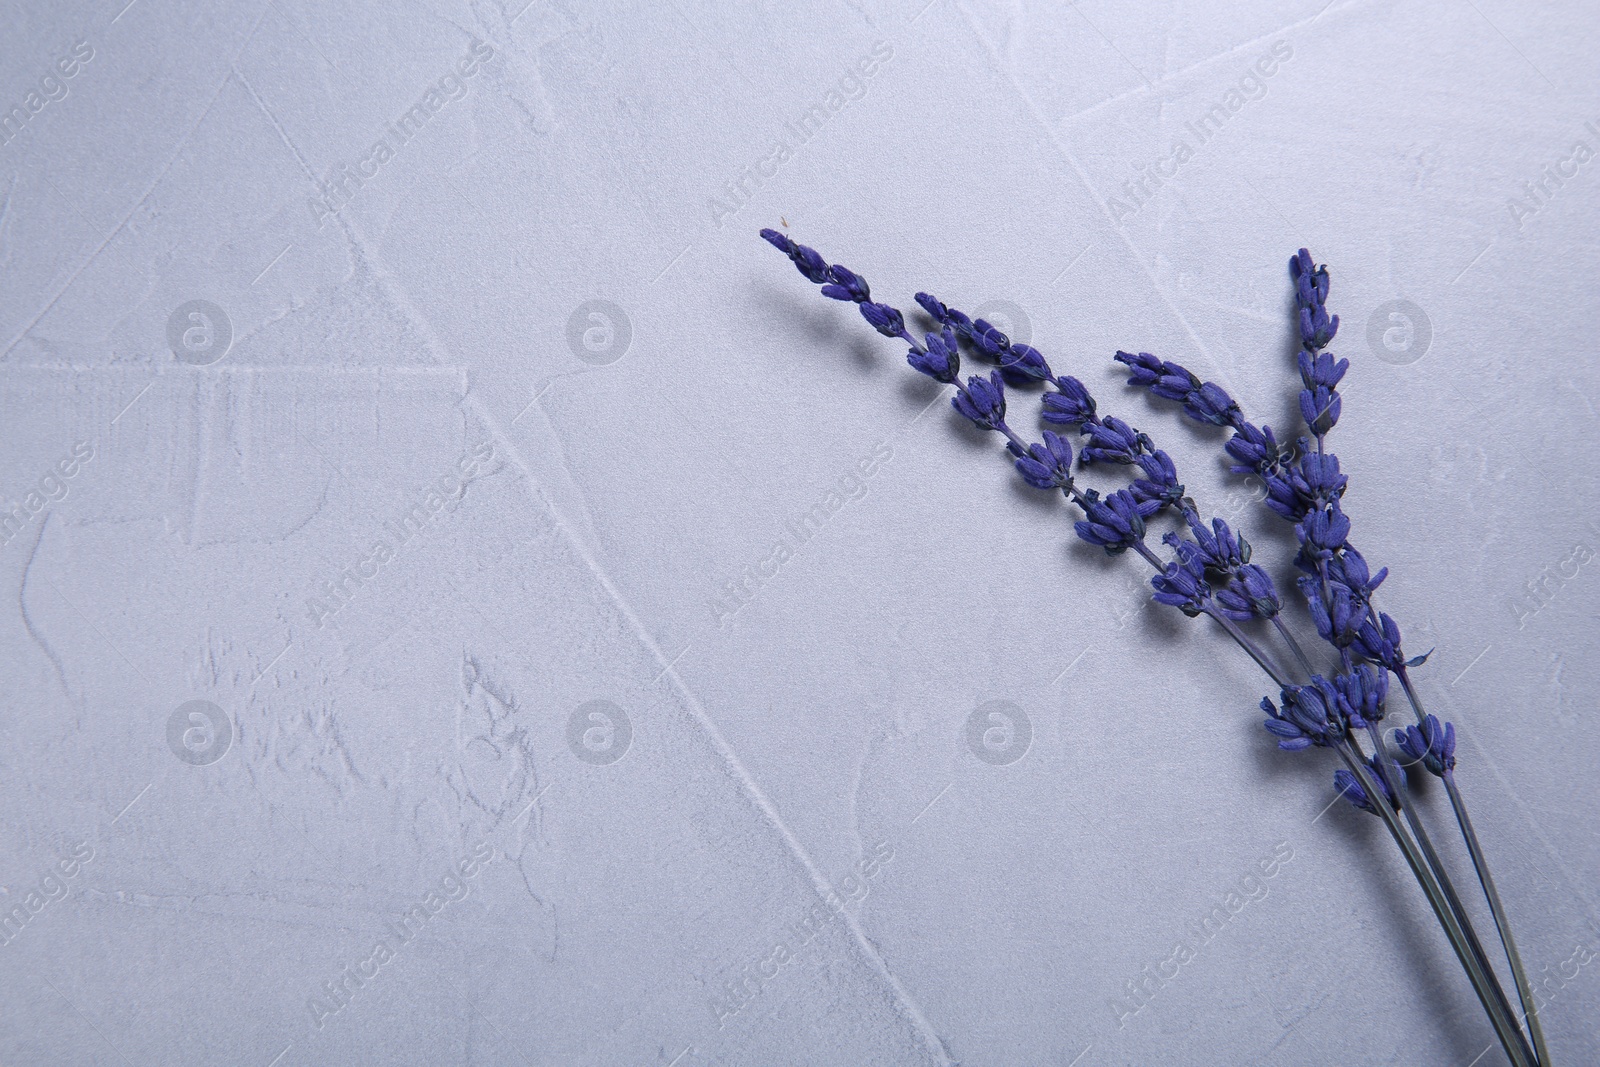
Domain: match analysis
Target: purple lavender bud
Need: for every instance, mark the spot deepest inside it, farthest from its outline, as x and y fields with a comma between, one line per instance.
x=1112, y=441
x=1304, y=719
x=1345, y=615
x=1160, y=483
x=847, y=285
x=1070, y=405
x=1283, y=499
x=1322, y=532
x=1178, y=587
x=1362, y=694
x=1350, y=568
x=1320, y=408
x=1188, y=553
x=1300, y=265
x=1144, y=370
x=1250, y=595
x=1305, y=293
x=883, y=318
x=1311, y=293
x=1351, y=790
x=1350, y=787
x=1328, y=693
x=1211, y=403
x=1317, y=478
x=1311, y=282
x=946, y=316
x=1166, y=380
x=1290, y=739
x=1255, y=450
x=1381, y=645
x=806, y=260
x=1321, y=369
x=983, y=401
x=942, y=360
x=1023, y=364
x=1317, y=329
x=1338, y=623
x=934, y=307
x=1321, y=618
x=1114, y=522
x=1431, y=743
x=989, y=342
x=1046, y=466
x=1219, y=547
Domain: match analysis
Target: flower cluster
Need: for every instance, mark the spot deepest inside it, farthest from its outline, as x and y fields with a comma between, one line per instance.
x=1217, y=559
x=1304, y=483
x=1352, y=790
x=1326, y=710
x=1210, y=571
x=839, y=283
x=1434, y=746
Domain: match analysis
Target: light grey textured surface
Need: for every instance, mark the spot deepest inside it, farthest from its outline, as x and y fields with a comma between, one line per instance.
x=600, y=490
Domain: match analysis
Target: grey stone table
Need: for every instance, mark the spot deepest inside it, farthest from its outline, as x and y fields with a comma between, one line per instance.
x=470, y=602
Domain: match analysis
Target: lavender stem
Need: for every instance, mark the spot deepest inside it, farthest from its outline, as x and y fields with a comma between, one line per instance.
x=1509, y=1033
x=1480, y=865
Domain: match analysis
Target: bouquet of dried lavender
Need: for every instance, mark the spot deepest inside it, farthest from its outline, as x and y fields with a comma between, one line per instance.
x=1208, y=571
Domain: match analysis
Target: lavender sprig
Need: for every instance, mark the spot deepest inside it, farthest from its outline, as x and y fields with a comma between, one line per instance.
x=1114, y=522
x=1305, y=487
x=1211, y=574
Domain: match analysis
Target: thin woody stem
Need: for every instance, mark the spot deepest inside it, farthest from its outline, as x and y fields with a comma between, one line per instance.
x=1394, y=778
x=1506, y=1029
x=1524, y=990
x=1480, y=865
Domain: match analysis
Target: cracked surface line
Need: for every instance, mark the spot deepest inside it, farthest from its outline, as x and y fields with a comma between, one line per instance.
x=177, y=151
x=1222, y=377
x=724, y=751
x=1201, y=64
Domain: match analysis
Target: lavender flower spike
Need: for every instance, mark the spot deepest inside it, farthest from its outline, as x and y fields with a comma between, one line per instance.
x=839, y=283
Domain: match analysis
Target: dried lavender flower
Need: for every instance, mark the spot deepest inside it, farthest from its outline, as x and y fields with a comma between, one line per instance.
x=983, y=401
x=941, y=359
x=1352, y=790
x=1431, y=744
x=1070, y=404
x=1048, y=465
x=1213, y=575
x=1115, y=522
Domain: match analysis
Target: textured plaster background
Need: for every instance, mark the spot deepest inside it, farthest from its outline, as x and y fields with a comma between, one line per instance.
x=591, y=481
